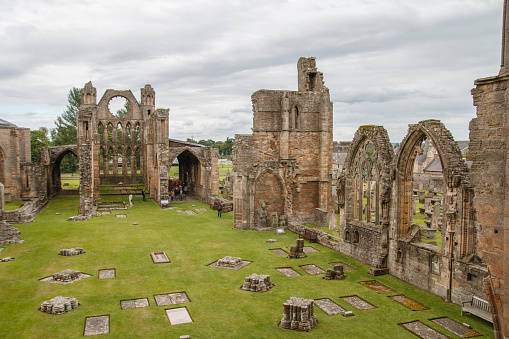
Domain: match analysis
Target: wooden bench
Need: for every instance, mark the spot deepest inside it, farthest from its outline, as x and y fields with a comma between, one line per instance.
x=478, y=307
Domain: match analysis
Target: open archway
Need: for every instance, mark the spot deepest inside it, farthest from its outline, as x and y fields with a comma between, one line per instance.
x=189, y=174
x=268, y=189
x=64, y=171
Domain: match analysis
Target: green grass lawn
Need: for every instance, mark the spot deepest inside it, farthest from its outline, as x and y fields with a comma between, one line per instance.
x=219, y=308
x=13, y=205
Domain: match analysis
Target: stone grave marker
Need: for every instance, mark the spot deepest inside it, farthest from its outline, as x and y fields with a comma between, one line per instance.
x=121, y=215
x=232, y=263
x=97, y=325
x=409, y=303
x=65, y=277
x=422, y=331
x=171, y=298
x=455, y=327
x=107, y=273
x=278, y=251
x=159, y=257
x=312, y=269
x=178, y=316
x=377, y=286
x=288, y=272
x=257, y=283
x=59, y=305
x=329, y=306
x=134, y=303
x=358, y=302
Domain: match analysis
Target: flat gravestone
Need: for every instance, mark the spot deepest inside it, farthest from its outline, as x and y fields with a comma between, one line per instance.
x=65, y=277
x=329, y=306
x=346, y=267
x=134, y=303
x=409, y=303
x=97, y=325
x=106, y=274
x=159, y=257
x=201, y=209
x=241, y=264
x=121, y=215
x=377, y=286
x=106, y=212
x=171, y=299
x=278, y=251
x=188, y=212
x=358, y=303
x=312, y=269
x=178, y=316
x=288, y=272
x=422, y=331
x=455, y=327
x=309, y=249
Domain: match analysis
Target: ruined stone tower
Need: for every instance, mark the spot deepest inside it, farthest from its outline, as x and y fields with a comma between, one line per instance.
x=127, y=149
x=284, y=168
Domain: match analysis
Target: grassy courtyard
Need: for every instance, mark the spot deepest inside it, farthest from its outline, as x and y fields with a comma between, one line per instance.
x=218, y=307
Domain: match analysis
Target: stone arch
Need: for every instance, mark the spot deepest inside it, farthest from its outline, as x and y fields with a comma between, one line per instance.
x=458, y=191
x=379, y=164
x=100, y=132
x=56, y=155
x=190, y=170
x=269, y=188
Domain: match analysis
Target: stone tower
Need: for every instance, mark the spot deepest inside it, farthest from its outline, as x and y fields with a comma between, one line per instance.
x=285, y=167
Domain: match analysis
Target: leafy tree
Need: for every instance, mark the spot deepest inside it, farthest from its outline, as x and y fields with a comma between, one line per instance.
x=65, y=131
x=38, y=140
x=226, y=147
x=191, y=140
x=122, y=112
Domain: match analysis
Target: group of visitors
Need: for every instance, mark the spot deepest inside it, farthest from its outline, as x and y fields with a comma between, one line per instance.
x=179, y=191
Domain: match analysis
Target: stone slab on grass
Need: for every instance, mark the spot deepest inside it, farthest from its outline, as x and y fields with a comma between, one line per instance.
x=346, y=267
x=134, y=303
x=455, y=327
x=178, y=316
x=377, y=286
x=121, y=215
x=109, y=273
x=409, y=303
x=329, y=306
x=242, y=264
x=171, y=299
x=422, y=331
x=279, y=251
x=159, y=257
x=310, y=249
x=80, y=276
x=97, y=325
x=358, y=302
x=288, y=272
x=201, y=210
x=188, y=212
x=312, y=269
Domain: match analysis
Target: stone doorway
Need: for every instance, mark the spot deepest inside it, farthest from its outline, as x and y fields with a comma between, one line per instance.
x=189, y=174
x=66, y=161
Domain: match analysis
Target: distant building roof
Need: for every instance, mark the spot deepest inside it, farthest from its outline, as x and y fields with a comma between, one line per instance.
x=5, y=123
x=339, y=158
x=434, y=166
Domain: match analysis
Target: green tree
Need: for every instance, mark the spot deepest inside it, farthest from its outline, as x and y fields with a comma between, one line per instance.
x=191, y=140
x=65, y=131
x=124, y=110
x=226, y=147
x=38, y=140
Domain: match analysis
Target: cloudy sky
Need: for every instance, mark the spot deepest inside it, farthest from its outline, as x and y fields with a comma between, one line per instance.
x=386, y=62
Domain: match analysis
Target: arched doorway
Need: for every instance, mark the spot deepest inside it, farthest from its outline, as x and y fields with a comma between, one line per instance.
x=268, y=189
x=189, y=174
x=64, y=171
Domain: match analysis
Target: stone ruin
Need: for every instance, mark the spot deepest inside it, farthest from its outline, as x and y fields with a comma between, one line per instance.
x=66, y=276
x=297, y=251
x=257, y=283
x=59, y=305
x=270, y=173
x=9, y=234
x=298, y=315
x=8, y=259
x=335, y=273
x=71, y=251
x=229, y=261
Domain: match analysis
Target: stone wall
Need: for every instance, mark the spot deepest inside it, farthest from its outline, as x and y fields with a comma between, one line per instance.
x=286, y=162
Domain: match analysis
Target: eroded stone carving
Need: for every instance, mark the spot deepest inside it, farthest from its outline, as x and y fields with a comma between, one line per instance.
x=298, y=315
x=257, y=283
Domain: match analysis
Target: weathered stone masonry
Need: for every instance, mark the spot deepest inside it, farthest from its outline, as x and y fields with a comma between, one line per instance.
x=285, y=163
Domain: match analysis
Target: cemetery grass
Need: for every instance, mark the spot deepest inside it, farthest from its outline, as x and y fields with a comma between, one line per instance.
x=219, y=308
x=9, y=206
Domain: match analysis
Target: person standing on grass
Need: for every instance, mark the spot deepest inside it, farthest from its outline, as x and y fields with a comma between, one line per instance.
x=131, y=200
x=172, y=195
x=219, y=209
x=143, y=193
